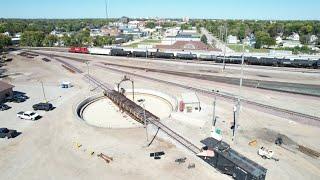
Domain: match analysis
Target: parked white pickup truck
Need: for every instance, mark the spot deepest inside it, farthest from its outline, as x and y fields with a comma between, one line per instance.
x=28, y=115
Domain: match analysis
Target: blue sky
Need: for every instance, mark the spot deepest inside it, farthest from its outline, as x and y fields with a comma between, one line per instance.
x=216, y=9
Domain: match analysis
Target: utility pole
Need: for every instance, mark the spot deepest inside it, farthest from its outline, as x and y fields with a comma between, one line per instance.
x=44, y=94
x=146, y=52
x=225, y=47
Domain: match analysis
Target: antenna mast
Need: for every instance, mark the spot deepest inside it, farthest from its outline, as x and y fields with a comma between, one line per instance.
x=107, y=2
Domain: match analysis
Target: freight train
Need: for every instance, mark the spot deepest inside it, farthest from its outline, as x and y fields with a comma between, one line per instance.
x=297, y=62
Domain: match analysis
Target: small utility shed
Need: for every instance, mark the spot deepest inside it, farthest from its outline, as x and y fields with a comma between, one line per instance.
x=189, y=102
x=6, y=90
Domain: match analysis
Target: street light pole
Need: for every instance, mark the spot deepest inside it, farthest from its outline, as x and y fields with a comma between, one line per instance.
x=44, y=94
x=238, y=105
x=214, y=108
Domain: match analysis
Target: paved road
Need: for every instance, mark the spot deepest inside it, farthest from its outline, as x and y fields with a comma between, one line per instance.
x=218, y=44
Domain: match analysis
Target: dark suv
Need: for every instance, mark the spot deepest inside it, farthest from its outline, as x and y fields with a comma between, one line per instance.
x=8, y=133
x=4, y=107
x=17, y=98
x=43, y=106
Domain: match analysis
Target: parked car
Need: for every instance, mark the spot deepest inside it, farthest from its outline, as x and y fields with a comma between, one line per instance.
x=4, y=107
x=43, y=106
x=8, y=133
x=28, y=115
x=17, y=98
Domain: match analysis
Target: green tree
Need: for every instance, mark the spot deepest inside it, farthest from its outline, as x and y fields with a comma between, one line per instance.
x=66, y=40
x=50, y=40
x=103, y=40
x=204, y=39
x=263, y=39
x=4, y=41
x=242, y=32
x=32, y=38
x=150, y=24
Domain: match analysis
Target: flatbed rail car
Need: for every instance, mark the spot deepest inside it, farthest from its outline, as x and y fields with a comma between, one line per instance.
x=230, y=162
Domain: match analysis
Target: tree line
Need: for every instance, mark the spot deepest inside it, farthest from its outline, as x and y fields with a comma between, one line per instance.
x=265, y=31
x=81, y=38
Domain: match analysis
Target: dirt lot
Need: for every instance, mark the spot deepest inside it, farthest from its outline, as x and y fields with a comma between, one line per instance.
x=49, y=148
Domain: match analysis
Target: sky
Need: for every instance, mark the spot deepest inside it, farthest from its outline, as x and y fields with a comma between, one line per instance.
x=212, y=9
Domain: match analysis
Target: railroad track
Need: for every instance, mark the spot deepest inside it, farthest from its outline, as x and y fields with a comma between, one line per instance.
x=204, y=62
x=267, y=85
x=134, y=108
x=280, y=112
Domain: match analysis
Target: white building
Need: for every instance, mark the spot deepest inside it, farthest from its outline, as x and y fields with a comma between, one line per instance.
x=232, y=39
x=313, y=38
x=190, y=103
x=133, y=24
x=291, y=43
x=279, y=40
x=294, y=37
x=186, y=19
x=6, y=33
x=95, y=32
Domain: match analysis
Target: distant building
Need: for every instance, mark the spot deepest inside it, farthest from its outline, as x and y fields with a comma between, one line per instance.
x=124, y=19
x=279, y=40
x=250, y=40
x=186, y=19
x=95, y=32
x=187, y=45
x=190, y=103
x=6, y=33
x=313, y=39
x=294, y=37
x=56, y=33
x=291, y=44
x=110, y=31
x=6, y=90
x=232, y=39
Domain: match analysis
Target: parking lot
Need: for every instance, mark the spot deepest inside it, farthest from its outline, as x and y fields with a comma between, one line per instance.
x=54, y=95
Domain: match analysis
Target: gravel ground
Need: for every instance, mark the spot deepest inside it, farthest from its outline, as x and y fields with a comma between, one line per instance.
x=47, y=149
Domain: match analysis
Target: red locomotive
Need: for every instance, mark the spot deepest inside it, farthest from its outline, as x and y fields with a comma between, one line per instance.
x=82, y=50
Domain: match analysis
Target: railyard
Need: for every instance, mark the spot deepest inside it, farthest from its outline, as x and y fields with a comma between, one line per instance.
x=56, y=138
